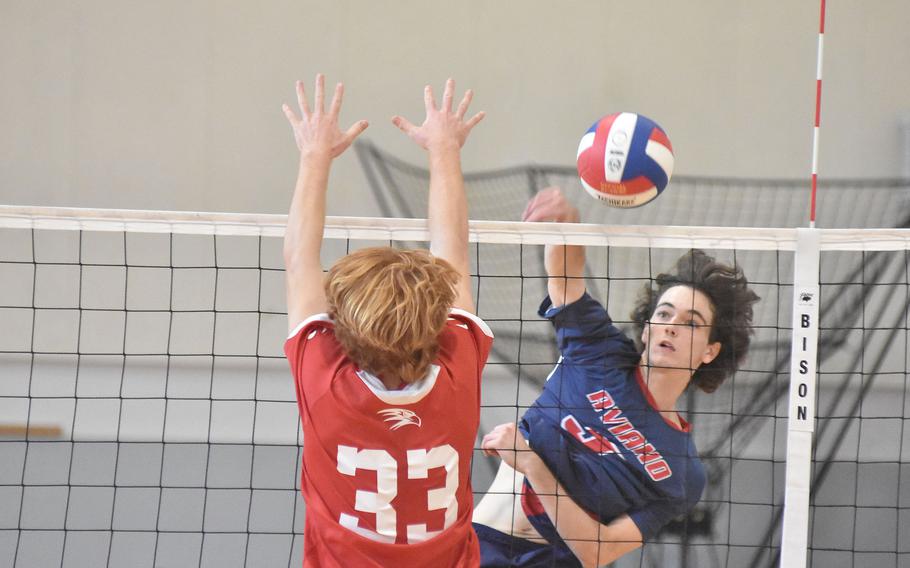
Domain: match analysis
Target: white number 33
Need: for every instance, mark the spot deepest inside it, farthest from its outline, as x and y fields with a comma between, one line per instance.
x=379, y=502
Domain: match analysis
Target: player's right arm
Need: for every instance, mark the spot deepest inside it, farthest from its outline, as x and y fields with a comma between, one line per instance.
x=565, y=264
x=592, y=542
x=319, y=141
x=442, y=134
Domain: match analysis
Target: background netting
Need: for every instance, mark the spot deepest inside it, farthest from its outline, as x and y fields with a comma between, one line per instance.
x=400, y=189
x=147, y=417
x=159, y=357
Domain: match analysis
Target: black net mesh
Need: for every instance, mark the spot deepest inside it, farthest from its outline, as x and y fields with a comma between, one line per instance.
x=147, y=417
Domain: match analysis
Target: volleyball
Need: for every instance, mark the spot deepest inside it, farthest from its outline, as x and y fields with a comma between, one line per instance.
x=625, y=160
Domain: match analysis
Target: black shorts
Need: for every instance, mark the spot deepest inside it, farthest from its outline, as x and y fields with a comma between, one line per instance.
x=499, y=550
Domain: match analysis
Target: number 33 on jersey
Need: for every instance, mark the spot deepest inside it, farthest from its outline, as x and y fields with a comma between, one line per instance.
x=380, y=501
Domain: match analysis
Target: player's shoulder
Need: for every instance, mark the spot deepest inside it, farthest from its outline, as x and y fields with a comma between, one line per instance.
x=464, y=332
x=464, y=319
x=312, y=326
x=314, y=335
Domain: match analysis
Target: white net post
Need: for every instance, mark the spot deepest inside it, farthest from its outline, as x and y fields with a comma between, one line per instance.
x=801, y=417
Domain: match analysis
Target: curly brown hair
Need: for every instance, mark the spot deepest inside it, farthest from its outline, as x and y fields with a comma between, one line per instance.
x=731, y=301
x=389, y=307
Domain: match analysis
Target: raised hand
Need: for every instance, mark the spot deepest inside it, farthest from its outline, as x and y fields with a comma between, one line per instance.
x=565, y=264
x=442, y=127
x=550, y=205
x=316, y=131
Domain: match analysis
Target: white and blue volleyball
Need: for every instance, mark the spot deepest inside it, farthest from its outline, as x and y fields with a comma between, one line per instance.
x=625, y=159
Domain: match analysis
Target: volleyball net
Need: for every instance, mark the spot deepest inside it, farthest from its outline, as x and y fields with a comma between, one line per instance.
x=147, y=416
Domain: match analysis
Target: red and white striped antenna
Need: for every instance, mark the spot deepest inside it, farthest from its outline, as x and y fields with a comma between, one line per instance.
x=818, y=111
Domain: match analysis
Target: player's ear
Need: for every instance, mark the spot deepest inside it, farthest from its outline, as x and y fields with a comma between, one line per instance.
x=645, y=333
x=711, y=352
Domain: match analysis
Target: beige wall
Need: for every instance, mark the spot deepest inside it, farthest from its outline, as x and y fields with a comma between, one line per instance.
x=176, y=104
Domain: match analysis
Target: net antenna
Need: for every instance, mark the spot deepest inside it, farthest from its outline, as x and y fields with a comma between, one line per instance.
x=818, y=109
x=804, y=360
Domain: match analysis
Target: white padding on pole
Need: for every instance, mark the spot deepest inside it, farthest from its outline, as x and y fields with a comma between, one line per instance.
x=801, y=418
x=795, y=534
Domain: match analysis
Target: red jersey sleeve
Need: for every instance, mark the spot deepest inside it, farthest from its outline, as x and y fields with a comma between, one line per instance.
x=313, y=354
x=472, y=336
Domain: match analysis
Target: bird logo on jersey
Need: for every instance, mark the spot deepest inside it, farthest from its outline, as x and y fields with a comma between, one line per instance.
x=400, y=417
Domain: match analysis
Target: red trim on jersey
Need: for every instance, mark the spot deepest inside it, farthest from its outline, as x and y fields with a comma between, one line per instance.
x=683, y=425
x=532, y=507
x=530, y=502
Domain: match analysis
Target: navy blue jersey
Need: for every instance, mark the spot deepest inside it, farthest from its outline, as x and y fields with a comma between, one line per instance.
x=596, y=427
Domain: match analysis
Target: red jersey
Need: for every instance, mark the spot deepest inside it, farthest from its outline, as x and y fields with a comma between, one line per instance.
x=386, y=473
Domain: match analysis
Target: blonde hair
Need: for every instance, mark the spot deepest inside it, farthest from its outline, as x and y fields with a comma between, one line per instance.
x=389, y=308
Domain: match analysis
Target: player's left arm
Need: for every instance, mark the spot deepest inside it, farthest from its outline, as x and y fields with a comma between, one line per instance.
x=565, y=264
x=320, y=141
x=592, y=542
x=442, y=135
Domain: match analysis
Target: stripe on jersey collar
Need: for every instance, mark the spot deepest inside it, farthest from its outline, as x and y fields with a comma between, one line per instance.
x=456, y=311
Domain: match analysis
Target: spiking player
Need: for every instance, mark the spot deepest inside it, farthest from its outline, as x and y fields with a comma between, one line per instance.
x=387, y=359
x=603, y=458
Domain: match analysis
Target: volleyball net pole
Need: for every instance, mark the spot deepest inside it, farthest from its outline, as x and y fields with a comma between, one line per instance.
x=803, y=359
x=801, y=407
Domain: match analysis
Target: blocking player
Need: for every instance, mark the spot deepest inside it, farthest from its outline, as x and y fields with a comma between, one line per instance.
x=602, y=460
x=386, y=356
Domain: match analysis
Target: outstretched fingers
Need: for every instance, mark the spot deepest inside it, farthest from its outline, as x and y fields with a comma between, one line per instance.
x=475, y=119
x=464, y=104
x=448, y=95
x=403, y=124
x=335, y=109
x=354, y=131
x=301, y=100
x=429, y=100
x=443, y=124
x=291, y=116
x=319, y=98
